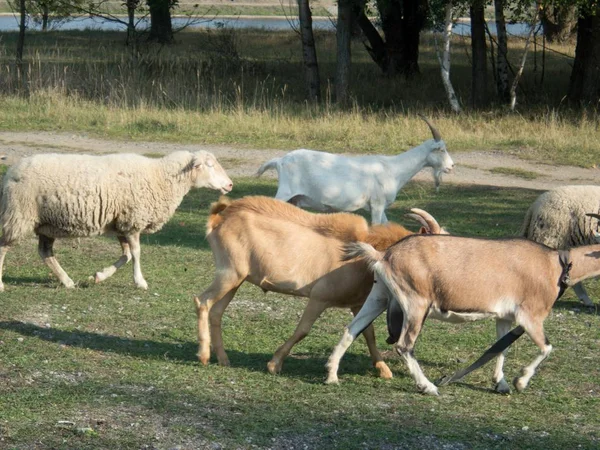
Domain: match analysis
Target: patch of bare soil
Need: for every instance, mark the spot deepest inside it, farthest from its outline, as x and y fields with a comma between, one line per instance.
x=479, y=168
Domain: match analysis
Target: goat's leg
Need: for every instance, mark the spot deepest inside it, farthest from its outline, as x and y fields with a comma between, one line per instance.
x=501, y=386
x=582, y=294
x=374, y=306
x=313, y=310
x=3, y=251
x=215, y=316
x=378, y=213
x=134, y=244
x=405, y=345
x=378, y=362
x=536, y=333
x=47, y=254
x=224, y=283
x=124, y=259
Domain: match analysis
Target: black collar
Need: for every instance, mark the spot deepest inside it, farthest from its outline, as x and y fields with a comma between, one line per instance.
x=564, y=281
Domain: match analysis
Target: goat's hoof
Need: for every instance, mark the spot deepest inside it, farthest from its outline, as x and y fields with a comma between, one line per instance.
x=273, y=367
x=384, y=370
x=502, y=387
x=332, y=379
x=69, y=284
x=203, y=358
x=224, y=362
x=1, y=287
x=519, y=384
x=429, y=390
x=142, y=285
x=99, y=277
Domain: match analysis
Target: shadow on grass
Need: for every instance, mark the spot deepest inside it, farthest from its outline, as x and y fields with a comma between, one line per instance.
x=577, y=307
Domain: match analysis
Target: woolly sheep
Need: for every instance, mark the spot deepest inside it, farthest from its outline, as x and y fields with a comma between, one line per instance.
x=558, y=219
x=327, y=182
x=59, y=195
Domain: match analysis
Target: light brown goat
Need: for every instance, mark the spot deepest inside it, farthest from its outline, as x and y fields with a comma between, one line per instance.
x=282, y=248
x=457, y=279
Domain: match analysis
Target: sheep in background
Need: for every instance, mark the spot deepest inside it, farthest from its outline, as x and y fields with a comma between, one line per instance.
x=61, y=195
x=328, y=182
x=558, y=219
x=281, y=248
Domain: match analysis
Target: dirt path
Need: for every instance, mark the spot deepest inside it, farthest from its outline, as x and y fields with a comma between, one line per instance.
x=471, y=167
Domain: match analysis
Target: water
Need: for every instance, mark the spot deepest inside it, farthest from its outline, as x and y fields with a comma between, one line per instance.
x=10, y=23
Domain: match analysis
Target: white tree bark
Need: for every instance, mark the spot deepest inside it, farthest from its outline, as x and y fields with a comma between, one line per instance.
x=515, y=83
x=445, y=60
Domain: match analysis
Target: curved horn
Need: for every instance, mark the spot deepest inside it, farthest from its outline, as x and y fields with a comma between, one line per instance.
x=594, y=215
x=425, y=219
x=436, y=134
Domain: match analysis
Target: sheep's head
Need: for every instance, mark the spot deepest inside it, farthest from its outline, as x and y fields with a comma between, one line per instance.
x=209, y=173
x=438, y=159
x=596, y=234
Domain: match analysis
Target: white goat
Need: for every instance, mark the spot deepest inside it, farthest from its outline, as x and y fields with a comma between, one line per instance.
x=458, y=279
x=328, y=182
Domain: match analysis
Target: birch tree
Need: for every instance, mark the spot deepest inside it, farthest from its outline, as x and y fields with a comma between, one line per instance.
x=502, y=53
x=444, y=59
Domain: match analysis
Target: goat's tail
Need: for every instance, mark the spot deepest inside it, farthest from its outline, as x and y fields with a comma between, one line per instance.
x=215, y=218
x=362, y=250
x=271, y=164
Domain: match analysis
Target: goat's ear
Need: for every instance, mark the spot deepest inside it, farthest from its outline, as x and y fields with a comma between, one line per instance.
x=424, y=230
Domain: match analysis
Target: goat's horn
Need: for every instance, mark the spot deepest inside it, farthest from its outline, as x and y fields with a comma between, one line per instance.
x=436, y=134
x=594, y=215
x=425, y=219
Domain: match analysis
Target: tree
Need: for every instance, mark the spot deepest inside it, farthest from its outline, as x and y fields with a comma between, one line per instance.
x=344, y=55
x=161, y=28
x=401, y=23
x=559, y=21
x=584, y=84
x=309, y=52
x=502, y=86
x=479, y=76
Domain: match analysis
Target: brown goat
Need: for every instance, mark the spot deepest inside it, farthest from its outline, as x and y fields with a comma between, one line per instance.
x=281, y=248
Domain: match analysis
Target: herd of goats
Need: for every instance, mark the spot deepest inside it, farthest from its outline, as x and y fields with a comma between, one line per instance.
x=335, y=259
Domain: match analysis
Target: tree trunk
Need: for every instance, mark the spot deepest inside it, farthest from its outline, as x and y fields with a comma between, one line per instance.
x=344, y=55
x=161, y=29
x=479, y=75
x=21, y=41
x=502, y=53
x=584, y=85
x=515, y=83
x=376, y=47
x=445, y=60
x=559, y=22
x=414, y=15
x=45, y=14
x=309, y=52
x=131, y=6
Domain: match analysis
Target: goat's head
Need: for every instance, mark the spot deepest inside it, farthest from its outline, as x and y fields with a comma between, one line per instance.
x=438, y=159
x=209, y=173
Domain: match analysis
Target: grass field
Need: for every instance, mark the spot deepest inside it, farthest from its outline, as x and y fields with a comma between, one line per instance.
x=109, y=366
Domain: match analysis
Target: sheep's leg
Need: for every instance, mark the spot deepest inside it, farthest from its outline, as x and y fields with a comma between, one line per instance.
x=536, y=333
x=582, y=294
x=221, y=287
x=311, y=313
x=501, y=386
x=134, y=243
x=47, y=254
x=405, y=345
x=124, y=259
x=3, y=251
x=374, y=306
x=378, y=362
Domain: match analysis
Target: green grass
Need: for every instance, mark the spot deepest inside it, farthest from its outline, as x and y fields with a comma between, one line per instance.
x=121, y=362
x=516, y=172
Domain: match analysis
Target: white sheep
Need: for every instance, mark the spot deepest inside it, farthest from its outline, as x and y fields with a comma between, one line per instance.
x=328, y=182
x=60, y=195
x=558, y=219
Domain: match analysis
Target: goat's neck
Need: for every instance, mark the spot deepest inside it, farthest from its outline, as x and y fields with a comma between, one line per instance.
x=586, y=263
x=406, y=165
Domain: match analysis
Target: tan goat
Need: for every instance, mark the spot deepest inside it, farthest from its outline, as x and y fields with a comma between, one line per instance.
x=457, y=279
x=282, y=248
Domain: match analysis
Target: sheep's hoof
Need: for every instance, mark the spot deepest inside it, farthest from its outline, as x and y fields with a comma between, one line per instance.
x=1, y=287
x=142, y=285
x=502, y=387
x=273, y=367
x=384, y=370
x=332, y=379
x=69, y=284
x=99, y=277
